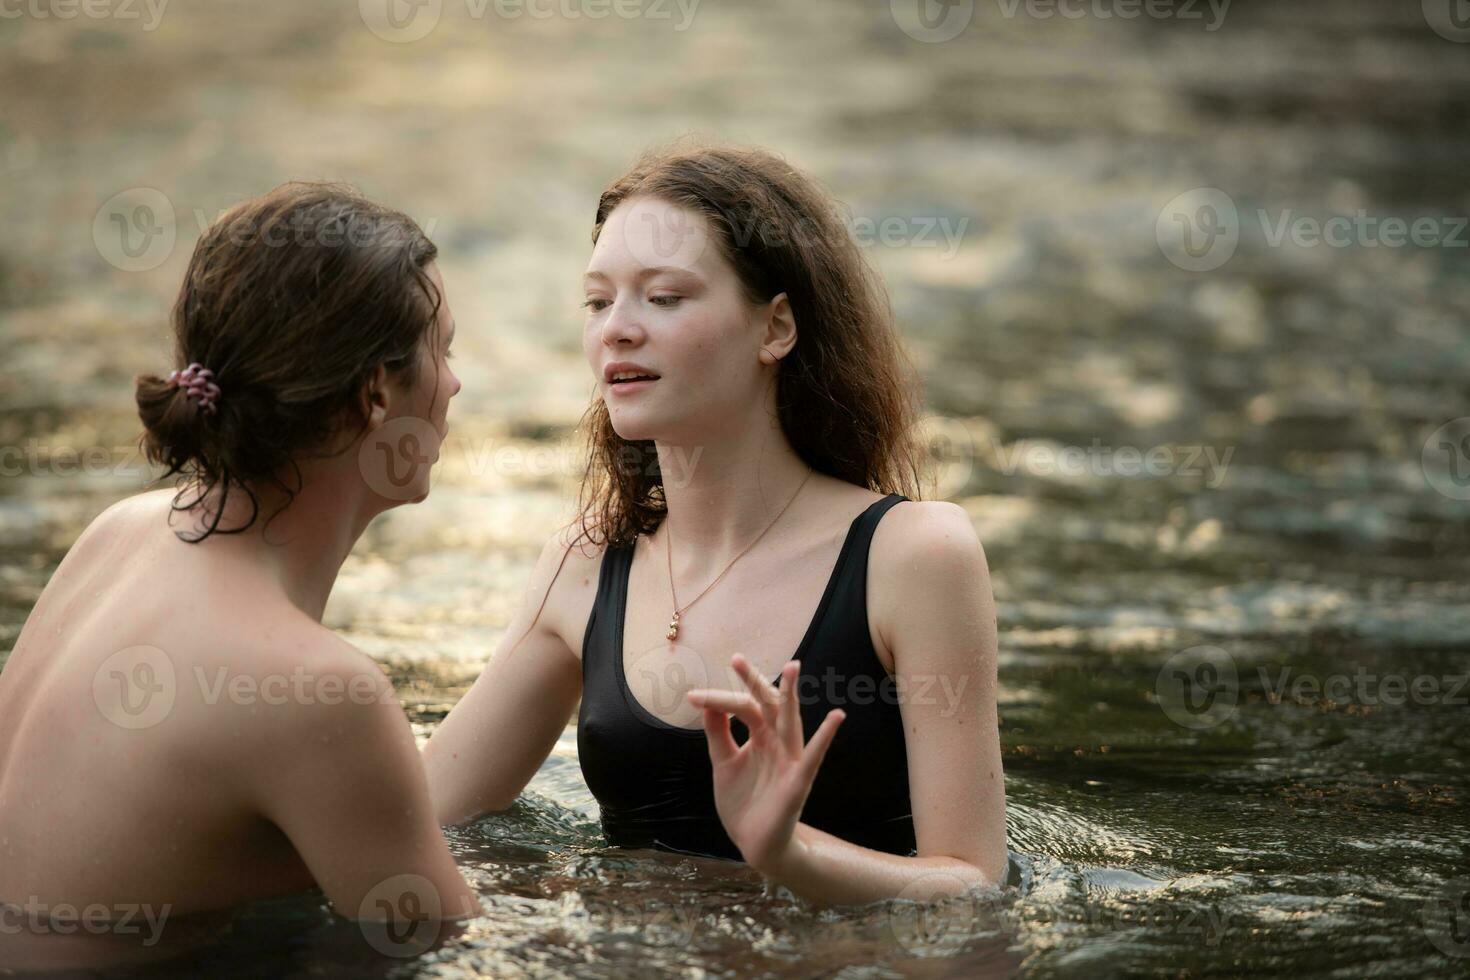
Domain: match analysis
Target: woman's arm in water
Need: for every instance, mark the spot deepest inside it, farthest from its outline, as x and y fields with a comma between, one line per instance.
x=937, y=616
x=338, y=772
x=483, y=755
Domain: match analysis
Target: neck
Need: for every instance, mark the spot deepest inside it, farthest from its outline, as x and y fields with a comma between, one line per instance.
x=302, y=550
x=722, y=495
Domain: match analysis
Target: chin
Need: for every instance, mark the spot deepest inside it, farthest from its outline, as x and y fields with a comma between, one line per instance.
x=634, y=426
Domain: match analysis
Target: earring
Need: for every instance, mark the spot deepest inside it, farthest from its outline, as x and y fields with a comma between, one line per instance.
x=766, y=357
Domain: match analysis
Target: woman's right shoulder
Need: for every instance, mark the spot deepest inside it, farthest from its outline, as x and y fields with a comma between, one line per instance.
x=575, y=543
x=565, y=580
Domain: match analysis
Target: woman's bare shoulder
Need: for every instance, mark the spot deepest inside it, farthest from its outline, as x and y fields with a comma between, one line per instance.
x=130, y=513
x=922, y=547
x=116, y=530
x=565, y=578
x=922, y=530
x=922, y=551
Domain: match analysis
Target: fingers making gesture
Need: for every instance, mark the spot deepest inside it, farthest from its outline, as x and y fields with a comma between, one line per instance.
x=761, y=786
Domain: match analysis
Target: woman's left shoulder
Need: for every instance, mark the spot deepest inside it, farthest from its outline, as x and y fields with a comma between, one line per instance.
x=927, y=582
x=917, y=536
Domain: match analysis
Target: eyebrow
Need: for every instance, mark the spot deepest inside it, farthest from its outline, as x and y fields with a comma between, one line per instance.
x=645, y=273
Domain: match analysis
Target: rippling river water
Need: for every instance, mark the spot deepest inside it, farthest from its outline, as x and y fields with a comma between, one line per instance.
x=1221, y=467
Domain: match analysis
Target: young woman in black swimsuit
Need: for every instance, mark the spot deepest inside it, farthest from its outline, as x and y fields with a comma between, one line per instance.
x=747, y=546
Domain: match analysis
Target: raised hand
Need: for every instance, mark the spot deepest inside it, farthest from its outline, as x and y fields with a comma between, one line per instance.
x=761, y=786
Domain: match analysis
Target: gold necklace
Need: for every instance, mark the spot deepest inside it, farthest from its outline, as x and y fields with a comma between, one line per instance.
x=673, y=632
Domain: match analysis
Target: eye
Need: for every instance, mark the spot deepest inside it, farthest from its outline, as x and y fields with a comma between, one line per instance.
x=665, y=300
x=596, y=304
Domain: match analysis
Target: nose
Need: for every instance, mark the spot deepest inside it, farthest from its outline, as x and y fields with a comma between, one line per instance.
x=621, y=326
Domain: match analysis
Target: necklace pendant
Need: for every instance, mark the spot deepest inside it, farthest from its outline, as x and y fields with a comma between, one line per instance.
x=673, y=632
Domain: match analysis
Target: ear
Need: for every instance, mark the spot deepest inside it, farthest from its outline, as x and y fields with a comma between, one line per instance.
x=779, y=335
x=374, y=398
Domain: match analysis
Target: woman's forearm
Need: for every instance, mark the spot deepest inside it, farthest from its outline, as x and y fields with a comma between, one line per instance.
x=827, y=870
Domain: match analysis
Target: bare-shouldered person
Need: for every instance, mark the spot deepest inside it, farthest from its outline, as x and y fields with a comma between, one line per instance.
x=178, y=731
x=774, y=362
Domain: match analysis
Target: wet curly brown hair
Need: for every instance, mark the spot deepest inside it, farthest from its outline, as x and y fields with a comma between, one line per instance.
x=847, y=395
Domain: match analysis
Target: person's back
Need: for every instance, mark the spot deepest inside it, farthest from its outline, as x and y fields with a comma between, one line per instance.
x=120, y=775
x=81, y=792
x=178, y=731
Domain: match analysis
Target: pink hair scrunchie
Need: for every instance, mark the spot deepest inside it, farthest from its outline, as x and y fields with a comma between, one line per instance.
x=197, y=380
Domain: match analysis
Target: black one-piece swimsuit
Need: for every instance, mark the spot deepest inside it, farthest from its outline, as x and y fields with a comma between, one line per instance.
x=653, y=780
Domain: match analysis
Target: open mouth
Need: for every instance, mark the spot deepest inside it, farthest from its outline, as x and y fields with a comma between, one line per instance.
x=633, y=379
